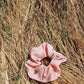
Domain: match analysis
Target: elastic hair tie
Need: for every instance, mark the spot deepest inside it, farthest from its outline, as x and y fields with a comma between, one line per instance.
x=40, y=72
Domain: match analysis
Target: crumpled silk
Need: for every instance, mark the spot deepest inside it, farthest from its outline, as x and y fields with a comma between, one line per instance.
x=45, y=73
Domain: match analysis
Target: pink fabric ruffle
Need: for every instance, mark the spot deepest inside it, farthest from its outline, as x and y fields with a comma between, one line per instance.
x=45, y=73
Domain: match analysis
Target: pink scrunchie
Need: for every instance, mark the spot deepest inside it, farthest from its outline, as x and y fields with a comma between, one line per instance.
x=45, y=73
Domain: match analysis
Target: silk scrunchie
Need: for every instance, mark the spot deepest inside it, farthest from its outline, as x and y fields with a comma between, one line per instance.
x=44, y=73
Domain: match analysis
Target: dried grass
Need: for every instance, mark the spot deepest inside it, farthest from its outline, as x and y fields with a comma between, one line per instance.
x=27, y=23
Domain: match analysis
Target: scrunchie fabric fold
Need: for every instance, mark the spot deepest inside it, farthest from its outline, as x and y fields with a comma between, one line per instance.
x=45, y=73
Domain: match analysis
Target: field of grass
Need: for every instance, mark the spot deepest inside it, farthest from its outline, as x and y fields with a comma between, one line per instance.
x=25, y=24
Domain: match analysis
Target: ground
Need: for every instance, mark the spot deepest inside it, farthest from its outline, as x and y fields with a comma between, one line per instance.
x=25, y=24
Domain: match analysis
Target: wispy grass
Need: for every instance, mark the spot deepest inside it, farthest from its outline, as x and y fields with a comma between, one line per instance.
x=15, y=75
x=35, y=72
x=45, y=21
x=8, y=29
